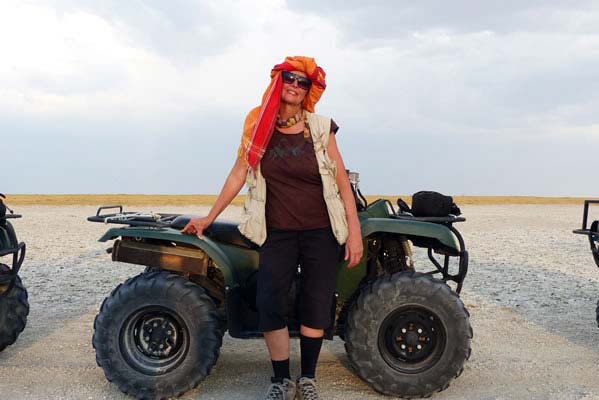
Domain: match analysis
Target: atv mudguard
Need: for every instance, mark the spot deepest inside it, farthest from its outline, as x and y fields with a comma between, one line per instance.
x=379, y=218
x=409, y=228
x=234, y=262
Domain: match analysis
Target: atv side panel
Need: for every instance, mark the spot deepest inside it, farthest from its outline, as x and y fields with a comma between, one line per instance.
x=348, y=280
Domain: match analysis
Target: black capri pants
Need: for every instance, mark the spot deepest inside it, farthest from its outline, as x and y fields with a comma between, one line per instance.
x=317, y=252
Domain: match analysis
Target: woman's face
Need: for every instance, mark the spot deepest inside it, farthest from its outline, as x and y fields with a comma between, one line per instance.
x=292, y=93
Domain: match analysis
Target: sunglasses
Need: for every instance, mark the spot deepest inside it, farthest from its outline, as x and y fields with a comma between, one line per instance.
x=302, y=82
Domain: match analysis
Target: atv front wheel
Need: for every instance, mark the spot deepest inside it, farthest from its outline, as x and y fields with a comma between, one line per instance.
x=14, y=309
x=157, y=335
x=408, y=335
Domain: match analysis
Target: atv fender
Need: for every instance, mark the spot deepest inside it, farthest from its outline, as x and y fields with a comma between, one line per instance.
x=174, y=235
x=411, y=228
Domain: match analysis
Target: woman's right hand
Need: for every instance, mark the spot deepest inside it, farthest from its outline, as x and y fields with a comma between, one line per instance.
x=196, y=226
x=230, y=189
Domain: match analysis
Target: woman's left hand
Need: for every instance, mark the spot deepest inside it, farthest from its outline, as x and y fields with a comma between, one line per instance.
x=353, y=249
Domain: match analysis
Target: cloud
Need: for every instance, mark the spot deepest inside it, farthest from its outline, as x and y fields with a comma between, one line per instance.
x=452, y=83
x=87, y=58
x=372, y=21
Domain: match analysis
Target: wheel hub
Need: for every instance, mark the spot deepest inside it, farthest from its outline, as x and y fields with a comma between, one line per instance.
x=411, y=339
x=158, y=336
x=154, y=340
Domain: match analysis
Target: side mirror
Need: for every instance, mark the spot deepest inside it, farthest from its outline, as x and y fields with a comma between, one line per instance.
x=354, y=178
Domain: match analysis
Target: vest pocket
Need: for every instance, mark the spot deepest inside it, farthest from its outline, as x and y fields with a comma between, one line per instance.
x=338, y=219
x=253, y=220
x=329, y=184
x=332, y=198
x=252, y=224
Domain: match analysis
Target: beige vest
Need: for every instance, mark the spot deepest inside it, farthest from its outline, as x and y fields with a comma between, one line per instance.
x=253, y=220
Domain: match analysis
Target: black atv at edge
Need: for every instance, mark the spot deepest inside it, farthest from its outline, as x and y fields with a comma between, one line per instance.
x=592, y=233
x=14, y=306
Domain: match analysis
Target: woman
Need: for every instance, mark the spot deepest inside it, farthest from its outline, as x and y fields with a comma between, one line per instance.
x=289, y=156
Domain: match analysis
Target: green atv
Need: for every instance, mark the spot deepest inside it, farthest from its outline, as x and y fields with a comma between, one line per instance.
x=13, y=296
x=158, y=334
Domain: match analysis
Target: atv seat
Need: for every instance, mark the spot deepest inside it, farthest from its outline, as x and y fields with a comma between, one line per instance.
x=219, y=231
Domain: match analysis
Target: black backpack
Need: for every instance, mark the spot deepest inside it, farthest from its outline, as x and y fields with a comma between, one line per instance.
x=433, y=204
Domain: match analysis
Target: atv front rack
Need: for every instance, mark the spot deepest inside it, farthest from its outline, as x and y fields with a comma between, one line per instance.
x=133, y=218
x=591, y=232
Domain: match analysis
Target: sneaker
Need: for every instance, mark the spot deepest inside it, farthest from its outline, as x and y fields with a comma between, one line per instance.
x=281, y=391
x=306, y=389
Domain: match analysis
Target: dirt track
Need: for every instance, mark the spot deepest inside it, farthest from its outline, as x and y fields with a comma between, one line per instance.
x=532, y=292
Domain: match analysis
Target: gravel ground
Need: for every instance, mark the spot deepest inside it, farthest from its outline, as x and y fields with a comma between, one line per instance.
x=532, y=291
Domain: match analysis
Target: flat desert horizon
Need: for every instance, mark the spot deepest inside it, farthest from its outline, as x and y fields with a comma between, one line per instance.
x=208, y=199
x=531, y=290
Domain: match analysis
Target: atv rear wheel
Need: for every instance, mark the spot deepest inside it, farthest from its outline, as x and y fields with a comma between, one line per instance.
x=14, y=309
x=408, y=335
x=157, y=335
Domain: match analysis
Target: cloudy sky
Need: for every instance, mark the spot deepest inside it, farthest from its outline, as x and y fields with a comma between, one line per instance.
x=140, y=96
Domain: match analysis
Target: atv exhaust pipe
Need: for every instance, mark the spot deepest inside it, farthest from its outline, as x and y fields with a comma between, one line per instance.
x=172, y=258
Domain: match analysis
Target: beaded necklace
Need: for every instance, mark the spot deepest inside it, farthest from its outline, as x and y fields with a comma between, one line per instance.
x=286, y=123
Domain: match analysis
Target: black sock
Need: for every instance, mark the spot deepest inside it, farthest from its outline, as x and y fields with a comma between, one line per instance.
x=310, y=349
x=281, y=370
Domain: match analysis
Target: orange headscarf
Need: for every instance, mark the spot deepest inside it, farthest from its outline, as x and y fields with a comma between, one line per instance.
x=260, y=122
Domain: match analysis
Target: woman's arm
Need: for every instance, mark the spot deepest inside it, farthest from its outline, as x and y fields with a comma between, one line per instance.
x=353, y=246
x=231, y=188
